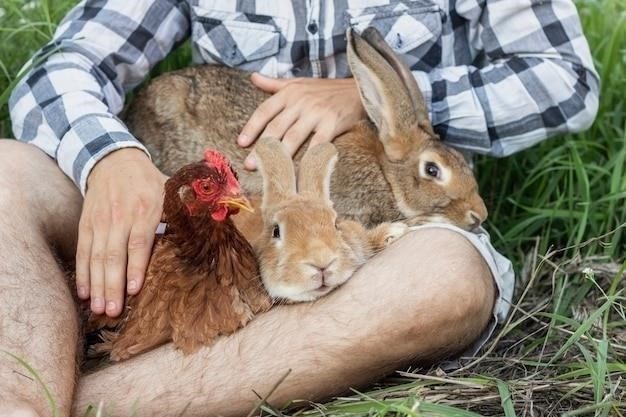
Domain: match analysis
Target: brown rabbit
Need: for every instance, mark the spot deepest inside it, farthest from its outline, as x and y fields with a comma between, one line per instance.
x=392, y=168
x=303, y=250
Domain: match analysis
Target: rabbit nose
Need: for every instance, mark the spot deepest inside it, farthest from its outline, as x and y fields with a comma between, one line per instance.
x=475, y=220
x=323, y=272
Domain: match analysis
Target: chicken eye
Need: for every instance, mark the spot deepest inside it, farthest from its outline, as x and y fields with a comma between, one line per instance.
x=276, y=232
x=432, y=170
x=206, y=187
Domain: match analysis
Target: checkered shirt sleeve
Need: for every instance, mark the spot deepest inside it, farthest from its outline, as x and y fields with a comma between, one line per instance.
x=532, y=76
x=498, y=76
x=66, y=106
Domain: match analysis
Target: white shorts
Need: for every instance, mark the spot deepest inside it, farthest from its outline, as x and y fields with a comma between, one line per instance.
x=501, y=270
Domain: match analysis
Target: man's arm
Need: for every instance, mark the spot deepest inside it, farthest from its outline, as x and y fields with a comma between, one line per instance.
x=535, y=78
x=66, y=105
x=532, y=77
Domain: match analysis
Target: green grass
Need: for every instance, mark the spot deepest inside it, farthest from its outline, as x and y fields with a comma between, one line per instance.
x=558, y=210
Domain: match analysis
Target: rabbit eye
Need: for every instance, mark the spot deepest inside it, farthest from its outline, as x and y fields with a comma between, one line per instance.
x=276, y=232
x=432, y=170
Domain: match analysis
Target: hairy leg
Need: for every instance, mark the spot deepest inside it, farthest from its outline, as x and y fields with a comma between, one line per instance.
x=39, y=212
x=427, y=295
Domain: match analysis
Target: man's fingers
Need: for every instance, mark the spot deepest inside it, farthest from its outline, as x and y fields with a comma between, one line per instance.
x=323, y=134
x=292, y=139
x=250, y=162
x=298, y=134
x=83, y=257
x=259, y=119
x=324, y=108
x=96, y=270
x=124, y=188
x=268, y=84
x=115, y=270
x=139, y=251
x=277, y=127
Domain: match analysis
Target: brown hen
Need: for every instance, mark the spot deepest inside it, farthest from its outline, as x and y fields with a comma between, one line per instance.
x=203, y=277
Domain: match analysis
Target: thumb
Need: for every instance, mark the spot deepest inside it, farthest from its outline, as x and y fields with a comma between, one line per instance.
x=267, y=84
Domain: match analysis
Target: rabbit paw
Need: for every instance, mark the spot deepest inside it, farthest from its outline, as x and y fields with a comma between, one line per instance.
x=394, y=231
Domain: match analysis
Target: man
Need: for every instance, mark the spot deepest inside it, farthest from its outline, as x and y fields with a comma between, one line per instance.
x=497, y=77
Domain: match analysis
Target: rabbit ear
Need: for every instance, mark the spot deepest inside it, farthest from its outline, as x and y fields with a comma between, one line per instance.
x=388, y=90
x=375, y=39
x=316, y=167
x=276, y=166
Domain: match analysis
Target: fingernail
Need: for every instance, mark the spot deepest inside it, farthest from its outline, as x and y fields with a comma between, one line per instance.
x=111, y=306
x=98, y=303
x=132, y=285
x=82, y=292
x=243, y=140
x=250, y=162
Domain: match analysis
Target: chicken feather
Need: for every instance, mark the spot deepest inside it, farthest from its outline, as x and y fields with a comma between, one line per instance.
x=203, y=277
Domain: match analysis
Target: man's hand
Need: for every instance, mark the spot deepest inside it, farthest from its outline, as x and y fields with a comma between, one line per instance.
x=300, y=107
x=122, y=207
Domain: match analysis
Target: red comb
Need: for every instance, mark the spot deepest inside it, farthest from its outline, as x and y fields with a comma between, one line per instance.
x=216, y=159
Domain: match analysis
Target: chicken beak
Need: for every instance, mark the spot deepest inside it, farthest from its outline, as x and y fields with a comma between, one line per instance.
x=240, y=202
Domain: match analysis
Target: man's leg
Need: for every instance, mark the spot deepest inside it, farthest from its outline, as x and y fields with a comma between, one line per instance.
x=38, y=322
x=428, y=295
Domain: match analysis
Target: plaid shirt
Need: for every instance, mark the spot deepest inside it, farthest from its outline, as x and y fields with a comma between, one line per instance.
x=498, y=76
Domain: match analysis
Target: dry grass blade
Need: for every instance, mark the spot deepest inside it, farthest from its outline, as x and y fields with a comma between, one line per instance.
x=263, y=400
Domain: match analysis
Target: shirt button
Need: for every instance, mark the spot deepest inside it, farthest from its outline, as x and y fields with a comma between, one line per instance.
x=312, y=27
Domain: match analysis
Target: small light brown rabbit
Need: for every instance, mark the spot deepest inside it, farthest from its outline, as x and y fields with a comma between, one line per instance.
x=304, y=252
x=392, y=168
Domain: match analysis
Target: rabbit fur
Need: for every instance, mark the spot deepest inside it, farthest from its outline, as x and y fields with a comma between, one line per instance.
x=304, y=251
x=391, y=167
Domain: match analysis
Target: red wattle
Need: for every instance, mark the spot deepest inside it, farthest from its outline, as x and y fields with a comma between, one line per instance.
x=220, y=214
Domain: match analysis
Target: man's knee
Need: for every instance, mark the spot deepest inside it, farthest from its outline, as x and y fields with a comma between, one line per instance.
x=29, y=177
x=13, y=152
x=454, y=288
x=14, y=167
x=467, y=287
x=17, y=164
x=36, y=195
